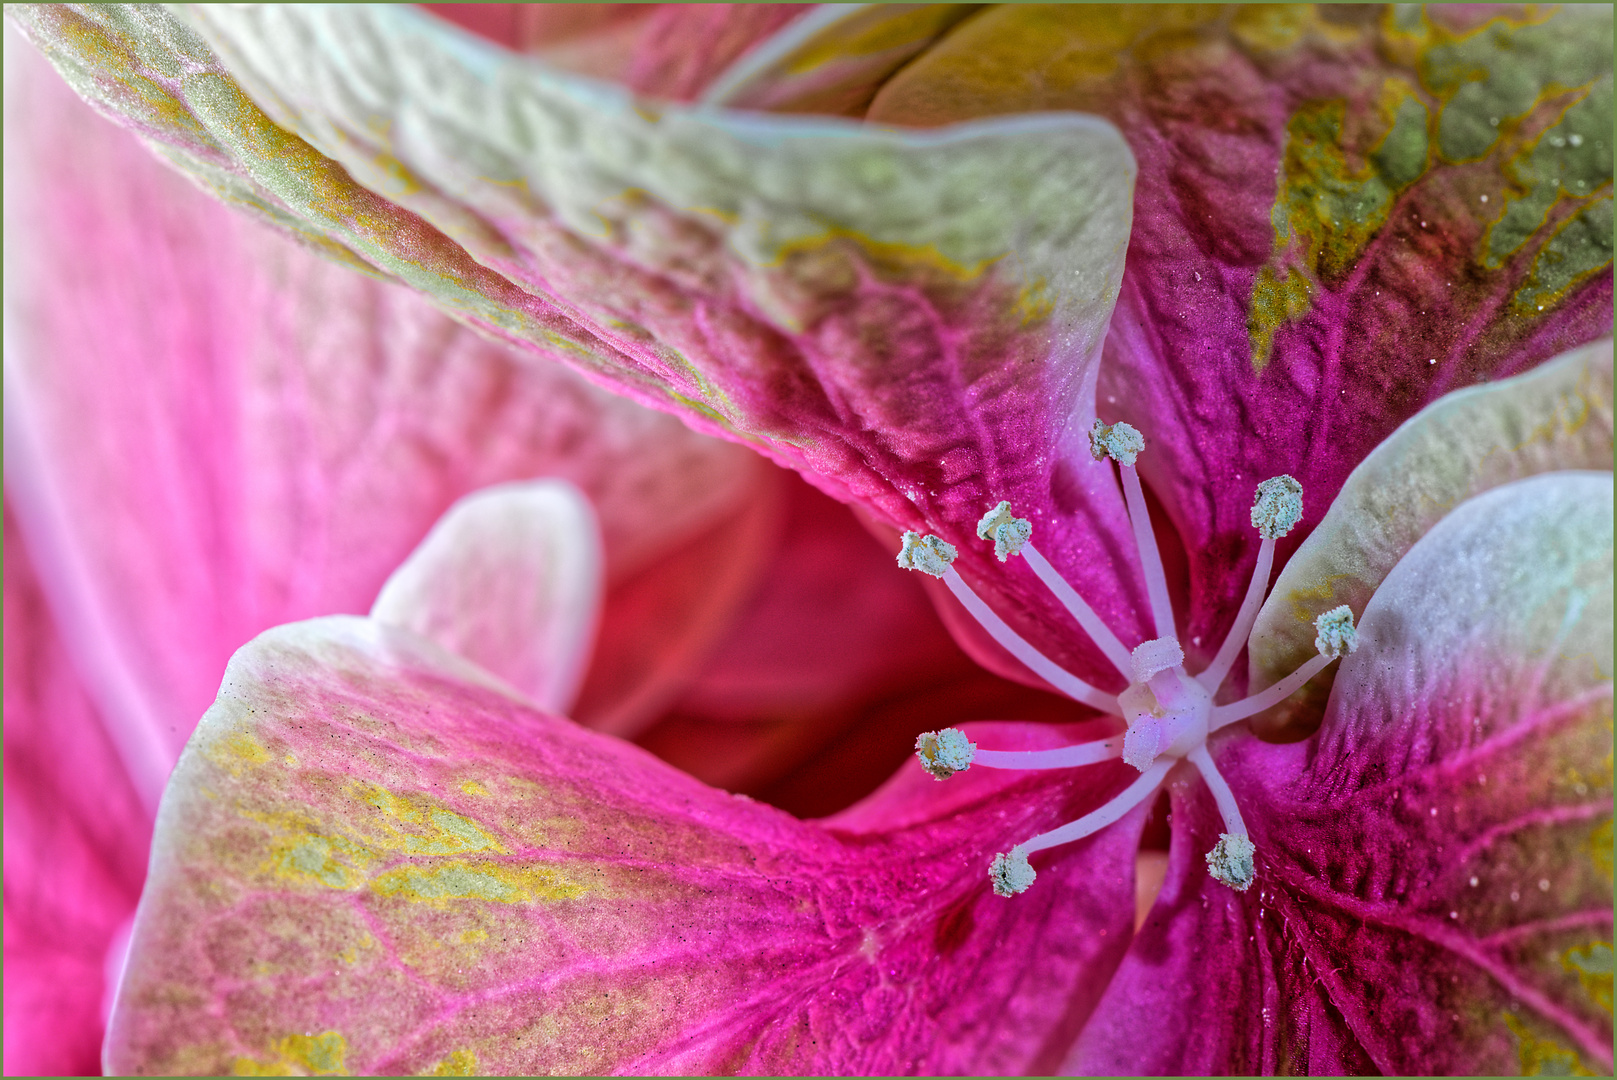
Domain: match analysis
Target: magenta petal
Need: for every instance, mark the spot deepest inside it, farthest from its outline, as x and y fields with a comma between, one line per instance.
x=76, y=836
x=362, y=817
x=1434, y=885
x=230, y=432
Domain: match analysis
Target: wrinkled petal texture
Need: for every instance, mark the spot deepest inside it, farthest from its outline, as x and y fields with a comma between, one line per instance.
x=911, y=319
x=363, y=817
x=76, y=836
x=1434, y=892
x=1342, y=213
x=1558, y=416
x=230, y=432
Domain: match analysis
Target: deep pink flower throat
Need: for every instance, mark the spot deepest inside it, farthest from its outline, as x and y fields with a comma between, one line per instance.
x=1169, y=713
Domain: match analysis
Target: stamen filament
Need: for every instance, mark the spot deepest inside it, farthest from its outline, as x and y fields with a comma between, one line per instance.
x=1227, y=806
x=1156, y=581
x=1213, y=676
x=1063, y=757
x=1096, y=820
x=1093, y=625
x=1280, y=691
x=1018, y=647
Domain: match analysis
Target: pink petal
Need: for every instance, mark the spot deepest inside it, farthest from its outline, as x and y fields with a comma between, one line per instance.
x=666, y=50
x=270, y=434
x=1300, y=255
x=921, y=340
x=76, y=837
x=362, y=818
x=1434, y=886
x=510, y=579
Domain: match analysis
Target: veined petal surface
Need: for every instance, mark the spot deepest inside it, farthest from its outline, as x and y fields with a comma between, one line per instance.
x=362, y=817
x=1343, y=212
x=1434, y=890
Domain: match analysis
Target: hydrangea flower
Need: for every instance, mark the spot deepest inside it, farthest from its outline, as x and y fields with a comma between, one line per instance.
x=1293, y=248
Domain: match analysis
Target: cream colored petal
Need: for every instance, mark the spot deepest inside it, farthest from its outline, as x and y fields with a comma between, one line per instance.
x=509, y=578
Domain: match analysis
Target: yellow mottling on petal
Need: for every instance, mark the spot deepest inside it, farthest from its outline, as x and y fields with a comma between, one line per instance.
x=236, y=753
x=414, y=824
x=472, y=787
x=1592, y=964
x=460, y=1063
x=473, y=937
x=1600, y=846
x=1542, y=1056
x=299, y=1055
x=506, y=883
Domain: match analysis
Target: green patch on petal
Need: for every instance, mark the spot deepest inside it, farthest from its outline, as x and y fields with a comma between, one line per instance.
x=1577, y=250
x=299, y=1055
x=1340, y=173
x=1541, y=1055
x=1501, y=71
x=1570, y=160
x=1593, y=966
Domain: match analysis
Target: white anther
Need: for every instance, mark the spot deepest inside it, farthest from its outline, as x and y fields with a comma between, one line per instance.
x=944, y=753
x=1007, y=531
x=929, y=554
x=1150, y=657
x=1011, y=873
x=1230, y=861
x=1279, y=507
x=1143, y=742
x=1120, y=442
x=1335, y=632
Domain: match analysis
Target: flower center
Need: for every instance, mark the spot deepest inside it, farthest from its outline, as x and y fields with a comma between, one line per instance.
x=1169, y=713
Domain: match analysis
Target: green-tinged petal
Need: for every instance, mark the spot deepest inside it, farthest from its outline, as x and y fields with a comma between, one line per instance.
x=374, y=858
x=1556, y=417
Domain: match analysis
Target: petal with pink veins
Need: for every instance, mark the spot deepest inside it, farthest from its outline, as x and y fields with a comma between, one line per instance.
x=362, y=817
x=1434, y=890
x=1342, y=214
x=909, y=318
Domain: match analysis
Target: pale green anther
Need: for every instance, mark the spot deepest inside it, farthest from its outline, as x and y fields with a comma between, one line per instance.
x=929, y=554
x=1120, y=442
x=1230, y=861
x=1011, y=873
x=1335, y=633
x=1007, y=531
x=944, y=753
x=1279, y=507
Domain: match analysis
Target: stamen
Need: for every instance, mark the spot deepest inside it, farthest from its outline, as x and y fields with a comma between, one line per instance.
x=1276, y=510
x=1096, y=820
x=1150, y=657
x=1334, y=632
x=944, y=753
x=1121, y=442
x=1098, y=631
x=928, y=554
x=1007, y=531
x=1156, y=581
x=1335, y=635
x=1230, y=861
x=1036, y=661
x=1011, y=873
x=1279, y=507
x=1063, y=757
